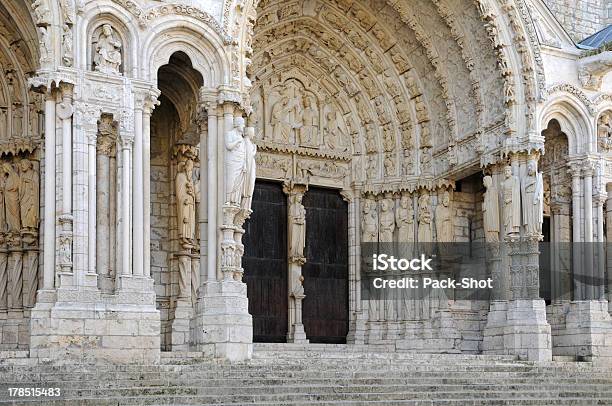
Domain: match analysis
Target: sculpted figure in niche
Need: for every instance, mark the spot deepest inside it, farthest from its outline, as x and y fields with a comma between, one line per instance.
x=387, y=221
x=28, y=194
x=425, y=218
x=511, y=191
x=444, y=220
x=405, y=219
x=369, y=223
x=185, y=203
x=309, y=127
x=235, y=163
x=334, y=136
x=3, y=122
x=17, y=121
x=44, y=43
x=67, y=45
x=297, y=236
x=533, y=205
x=251, y=168
x=41, y=11
x=11, y=197
x=280, y=118
x=490, y=211
x=107, y=57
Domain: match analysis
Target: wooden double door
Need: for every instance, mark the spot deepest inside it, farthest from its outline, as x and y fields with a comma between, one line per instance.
x=325, y=308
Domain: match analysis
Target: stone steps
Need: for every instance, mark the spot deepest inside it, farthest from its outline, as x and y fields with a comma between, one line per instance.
x=299, y=376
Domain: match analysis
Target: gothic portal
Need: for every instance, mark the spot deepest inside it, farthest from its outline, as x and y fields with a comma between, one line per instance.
x=201, y=175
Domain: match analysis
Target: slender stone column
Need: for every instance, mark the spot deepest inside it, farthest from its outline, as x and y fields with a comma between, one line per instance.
x=212, y=187
x=296, y=233
x=49, y=221
x=65, y=112
x=588, y=232
x=150, y=104
x=576, y=171
x=126, y=152
x=599, y=282
x=138, y=192
x=3, y=275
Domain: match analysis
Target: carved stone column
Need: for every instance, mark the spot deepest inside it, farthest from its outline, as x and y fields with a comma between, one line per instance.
x=520, y=327
x=149, y=104
x=599, y=249
x=358, y=318
x=50, y=212
x=579, y=288
x=126, y=142
x=15, y=276
x=106, y=152
x=296, y=233
x=3, y=276
x=223, y=325
x=65, y=112
x=588, y=265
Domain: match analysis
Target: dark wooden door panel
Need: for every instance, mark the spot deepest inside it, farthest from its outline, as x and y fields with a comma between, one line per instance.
x=325, y=308
x=265, y=263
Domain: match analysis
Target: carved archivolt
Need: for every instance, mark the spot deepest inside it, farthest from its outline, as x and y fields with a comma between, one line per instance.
x=385, y=108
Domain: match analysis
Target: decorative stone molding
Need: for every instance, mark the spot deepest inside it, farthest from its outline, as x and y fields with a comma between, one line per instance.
x=592, y=69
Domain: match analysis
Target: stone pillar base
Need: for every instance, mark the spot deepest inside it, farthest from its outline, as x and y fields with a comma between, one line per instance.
x=357, y=328
x=587, y=333
x=183, y=314
x=85, y=326
x=223, y=323
x=522, y=331
x=297, y=335
x=493, y=335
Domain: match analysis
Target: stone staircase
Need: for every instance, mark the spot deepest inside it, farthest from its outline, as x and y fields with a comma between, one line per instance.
x=328, y=375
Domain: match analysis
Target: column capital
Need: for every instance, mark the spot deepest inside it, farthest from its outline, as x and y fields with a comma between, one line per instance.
x=575, y=169
x=291, y=188
x=126, y=141
x=589, y=168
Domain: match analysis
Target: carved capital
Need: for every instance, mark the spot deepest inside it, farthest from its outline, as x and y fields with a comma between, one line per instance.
x=291, y=188
x=126, y=141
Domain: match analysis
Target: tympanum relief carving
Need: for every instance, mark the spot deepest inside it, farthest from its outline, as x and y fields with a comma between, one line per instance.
x=297, y=116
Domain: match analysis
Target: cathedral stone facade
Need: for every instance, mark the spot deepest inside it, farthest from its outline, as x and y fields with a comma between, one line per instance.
x=199, y=175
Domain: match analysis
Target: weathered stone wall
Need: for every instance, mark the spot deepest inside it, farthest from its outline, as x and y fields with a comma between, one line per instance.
x=161, y=249
x=580, y=18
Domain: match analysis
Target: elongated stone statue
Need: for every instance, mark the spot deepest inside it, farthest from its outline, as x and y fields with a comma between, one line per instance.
x=533, y=201
x=297, y=229
x=28, y=194
x=11, y=198
x=425, y=217
x=108, y=51
x=405, y=220
x=235, y=163
x=444, y=220
x=511, y=190
x=251, y=168
x=185, y=203
x=387, y=221
x=369, y=225
x=490, y=211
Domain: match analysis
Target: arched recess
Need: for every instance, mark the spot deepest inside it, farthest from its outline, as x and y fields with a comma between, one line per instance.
x=555, y=258
x=400, y=85
x=206, y=52
x=21, y=50
x=574, y=119
x=175, y=197
x=123, y=29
